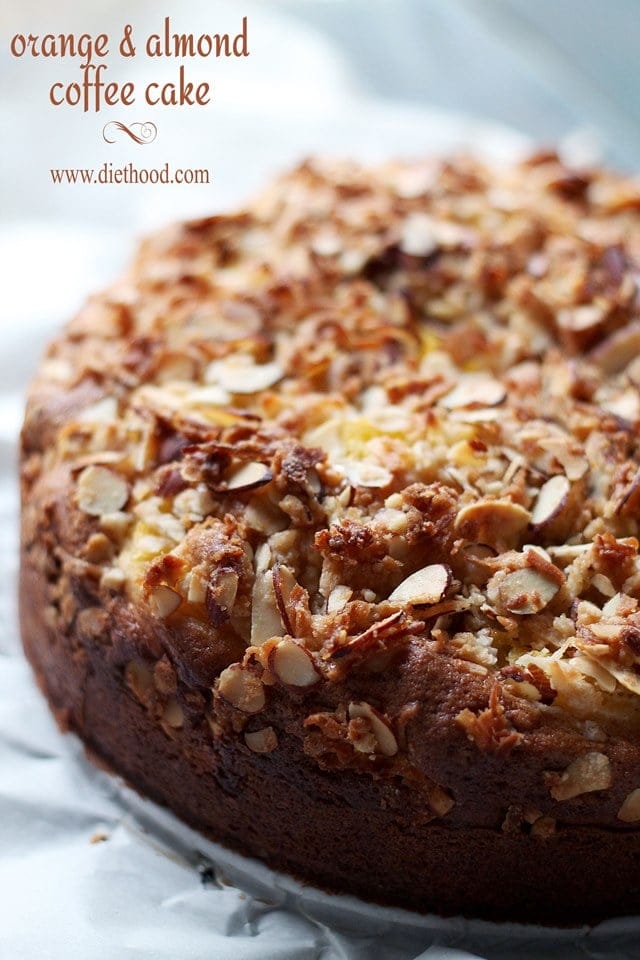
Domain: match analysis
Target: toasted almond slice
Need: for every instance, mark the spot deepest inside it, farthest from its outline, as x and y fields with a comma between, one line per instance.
x=101, y=491
x=265, y=617
x=327, y=242
x=211, y=395
x=590, y=772
x=386, y=742
x=551, y=500
x=240, y=374
x=363, y=473
x=624, y=404
x=417, y=238
x=568, y=454
x=338, y=598
x=617, y=350
x=220, y=595
x=293, y=665
x=629, y=499
x=527, y=591
x=568, y=551
x=164, y=601
x=262, y=741
x=102, y=411
x=492, y=521
x=626, y=676
x=249, y=476
x=425, y=586
x=629, y=812
x=242, y=689
x=475, y=390
x=578, y=319
x=283, y=583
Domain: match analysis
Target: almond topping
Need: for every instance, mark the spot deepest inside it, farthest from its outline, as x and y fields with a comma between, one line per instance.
x=590, y=772
x=248, y=477
x=425, y=586
x=617, y=350
x=266, y=621
x=338, y=598
x=475, y=390
x=418, y=238
x=527, y=591
x=101, y=491
x=293, y=665
x=164, y=601
x=243, y=690
x=385, y=741
x=552, y=498
x=261, y=741
x=492, y=522
x=579, y=319
x=629, y=812
x=239, y=374
x=283, y=583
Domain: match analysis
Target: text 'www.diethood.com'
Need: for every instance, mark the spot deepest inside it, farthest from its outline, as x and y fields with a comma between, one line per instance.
x=108, y=173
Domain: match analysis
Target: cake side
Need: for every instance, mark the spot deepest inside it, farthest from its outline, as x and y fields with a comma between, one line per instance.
x=333, y=503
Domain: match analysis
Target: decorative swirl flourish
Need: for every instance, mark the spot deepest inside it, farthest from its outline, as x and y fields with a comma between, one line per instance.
x=139, y=132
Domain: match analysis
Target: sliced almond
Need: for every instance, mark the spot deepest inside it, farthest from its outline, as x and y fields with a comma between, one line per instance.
x=220, y=595
x=102, y=411
x=262, y=741
x=249, y=476
x=628, y=502
x=338, y=598
x=293, y=665
x=629, y=812
x=492, y=522
x=265, y=616
x=101, y=491
x=164, y=601
x=475, y=390
x=363, y=473
x=617, y=350
x=577, y=319
x=527, y=591
x=626, y=676
x=283, y=583
x=586, y=774
x=242, y=689
x=240, y=374
x=385, y=741
x=624, y=404
x=425, y=586
x=568, y=454
x=417, y=238
x=551, y=500
x=579, y=326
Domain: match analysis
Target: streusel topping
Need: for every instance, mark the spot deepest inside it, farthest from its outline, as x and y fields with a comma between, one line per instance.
x=378, y=406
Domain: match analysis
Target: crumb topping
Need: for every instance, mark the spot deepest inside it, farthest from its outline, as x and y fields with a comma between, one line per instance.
x=378, y=407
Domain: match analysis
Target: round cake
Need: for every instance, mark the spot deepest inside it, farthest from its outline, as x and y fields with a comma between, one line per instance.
x=330, y=532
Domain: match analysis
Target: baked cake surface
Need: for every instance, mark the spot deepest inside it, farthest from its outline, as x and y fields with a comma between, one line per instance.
x=330, y=520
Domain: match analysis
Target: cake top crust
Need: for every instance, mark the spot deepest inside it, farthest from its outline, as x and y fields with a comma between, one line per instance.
x=377, y=410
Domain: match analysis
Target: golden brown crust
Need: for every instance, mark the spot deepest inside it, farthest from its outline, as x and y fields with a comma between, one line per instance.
x=347, y=485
